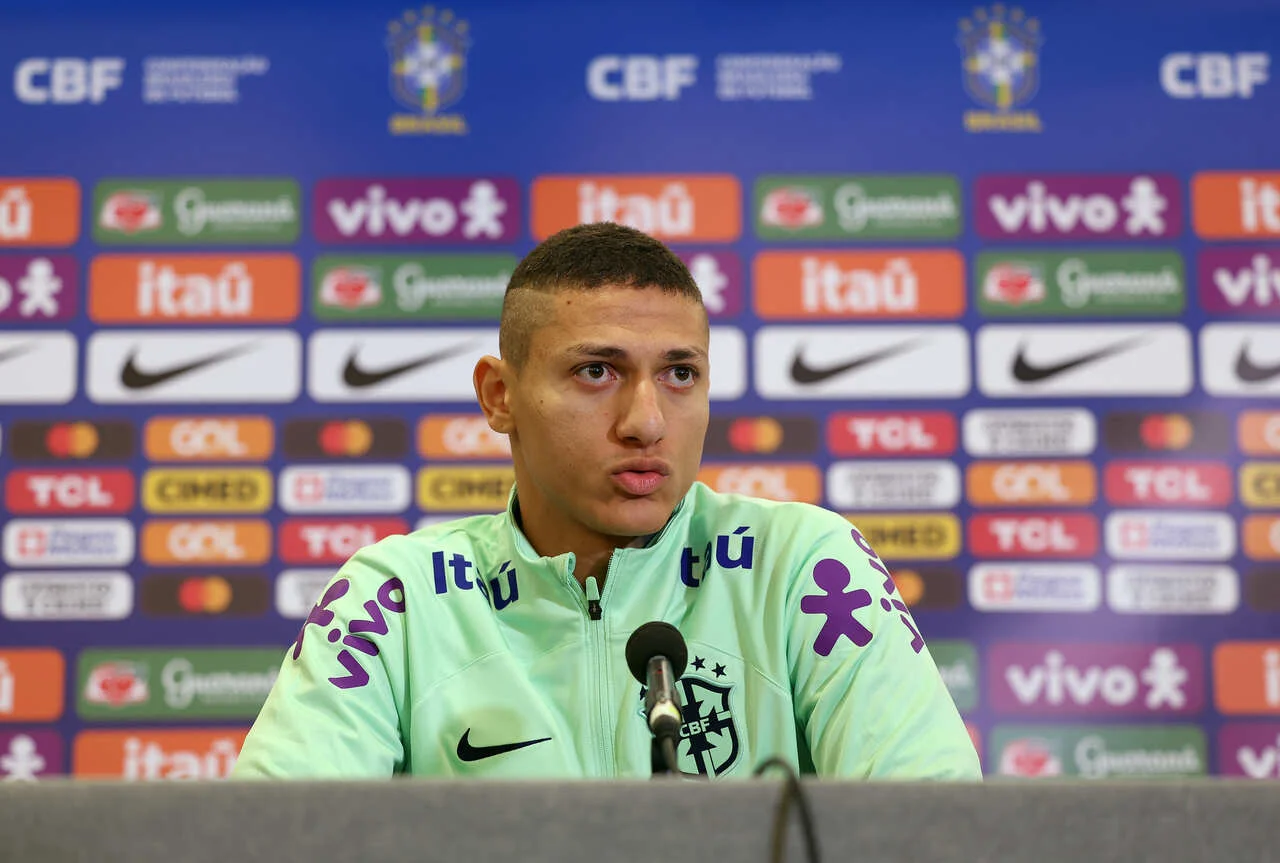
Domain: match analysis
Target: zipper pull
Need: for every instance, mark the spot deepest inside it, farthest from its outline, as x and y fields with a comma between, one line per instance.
x=594, y=611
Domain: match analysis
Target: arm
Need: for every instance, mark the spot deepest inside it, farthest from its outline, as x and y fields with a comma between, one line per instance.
x=868, y=696
x=333, y=711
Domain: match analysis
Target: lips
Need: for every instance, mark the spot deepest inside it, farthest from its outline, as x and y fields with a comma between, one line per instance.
x=641, y=477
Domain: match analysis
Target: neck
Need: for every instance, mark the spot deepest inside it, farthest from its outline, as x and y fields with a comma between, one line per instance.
x=591, y=551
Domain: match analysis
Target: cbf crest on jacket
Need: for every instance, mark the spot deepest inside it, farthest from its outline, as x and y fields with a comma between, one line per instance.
x=457, y=650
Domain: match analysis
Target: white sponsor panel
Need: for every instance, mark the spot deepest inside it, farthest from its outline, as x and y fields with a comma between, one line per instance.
x=916, y=484
x=1031, y=360
x=1154, y=535
x=727, y=354
x=298, y=590
x=194, y=366
x=68, y=542
x=37, y=368
x=66, y=596
x=1240, y=359
x=1173, y=589
x=1035, y=586
x=1035, y=432
x=400, y=364
x=857, y=360
x=348, y=489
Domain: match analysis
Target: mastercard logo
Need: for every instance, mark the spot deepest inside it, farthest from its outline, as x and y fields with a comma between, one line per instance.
x=1166, y=432
x=910, y=585
x=755, y=434
x=71, y=440
x=346, y=438
x=74, y=440
x=207, y=595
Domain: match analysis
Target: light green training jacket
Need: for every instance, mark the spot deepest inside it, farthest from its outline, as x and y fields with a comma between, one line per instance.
x=458, y=651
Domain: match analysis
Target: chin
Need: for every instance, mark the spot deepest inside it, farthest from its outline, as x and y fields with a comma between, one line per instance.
x=638, y=517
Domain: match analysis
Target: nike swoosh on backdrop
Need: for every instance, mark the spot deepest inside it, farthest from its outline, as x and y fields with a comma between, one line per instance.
x=1250, y=373
x=15, y=352
x=1030, y=374
x=134, y=378
x=803, y=373
x=467, y=752
x=354, y=376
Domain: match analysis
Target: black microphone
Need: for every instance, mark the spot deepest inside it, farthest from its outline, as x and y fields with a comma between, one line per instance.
x=657, y=655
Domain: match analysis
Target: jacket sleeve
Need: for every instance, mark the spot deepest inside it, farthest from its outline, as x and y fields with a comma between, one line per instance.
x=333, y=711
x=869, y=700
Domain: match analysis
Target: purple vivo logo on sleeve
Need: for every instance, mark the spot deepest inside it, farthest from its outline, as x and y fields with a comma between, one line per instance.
x=456, y=211
x=1250, y=749
x=1240, y=281
x=1078, y=207
x=1096, y=679
x=35, y=288
x=29, y=755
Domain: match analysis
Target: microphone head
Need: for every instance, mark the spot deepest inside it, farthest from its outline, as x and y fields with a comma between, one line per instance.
x=656, y=638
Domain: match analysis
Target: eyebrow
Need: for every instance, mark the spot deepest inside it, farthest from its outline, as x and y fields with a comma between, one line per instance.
x=611, y=352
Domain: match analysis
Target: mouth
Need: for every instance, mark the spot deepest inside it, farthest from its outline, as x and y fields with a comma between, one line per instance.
x=641, y=477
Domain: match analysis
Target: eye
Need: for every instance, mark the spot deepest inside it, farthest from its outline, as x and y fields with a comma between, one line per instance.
x=683, y=376
x=595, y=373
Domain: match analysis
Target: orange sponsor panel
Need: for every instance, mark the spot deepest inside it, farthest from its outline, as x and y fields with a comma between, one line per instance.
x=1229, y=205
x=31, y=684
x=230, y=438
x=145, y=754
x=1047, y=483
x=229, y=542
x=460, y=436
x=39, y=212
x=1262, y=537
x=674, y=208
x=800, y=482
x=1259, y=432
x=139, y=289
x=1247, y=677
x=840, y=284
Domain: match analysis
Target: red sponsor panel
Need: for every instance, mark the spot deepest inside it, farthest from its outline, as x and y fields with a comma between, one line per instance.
x=333, y=540
x=1047, y=535
x=1158, y=483
x=890, y=433
x=32, y=492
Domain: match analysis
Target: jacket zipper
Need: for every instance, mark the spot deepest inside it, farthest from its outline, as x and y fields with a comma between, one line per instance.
x=599, y=669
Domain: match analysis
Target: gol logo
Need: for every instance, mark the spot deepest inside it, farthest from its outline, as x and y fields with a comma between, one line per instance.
x=248, y=438
x=1057, y=483
x=30, y=492
x=1262, y=537
x=31, y=685
x=195, y=543
x=1260, y=484
x=1247, y=677
x=786, y=482
x=460, y=436
x=1054, y=535
x=246, y=490
x=472, y=488
x=333, y=540
x=149, y=754
x=1259, y=432
x=922, y=536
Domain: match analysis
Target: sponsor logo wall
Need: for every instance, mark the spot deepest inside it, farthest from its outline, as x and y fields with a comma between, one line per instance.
x=1040, y=373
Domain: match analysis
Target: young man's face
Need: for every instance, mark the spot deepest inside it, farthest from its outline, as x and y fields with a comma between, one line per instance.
x=609, y=411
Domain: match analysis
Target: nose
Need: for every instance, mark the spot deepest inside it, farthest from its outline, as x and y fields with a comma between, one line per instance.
x=641, y=419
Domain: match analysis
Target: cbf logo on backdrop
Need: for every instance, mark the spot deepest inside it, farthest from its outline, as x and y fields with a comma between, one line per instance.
x=1001, y=68
x=428, y=71
x=709, y=742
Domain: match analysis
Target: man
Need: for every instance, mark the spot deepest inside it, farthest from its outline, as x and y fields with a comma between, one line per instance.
x=494, y=645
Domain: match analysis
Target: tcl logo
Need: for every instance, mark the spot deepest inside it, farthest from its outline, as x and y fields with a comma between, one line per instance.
x=1191, y=484
x=880, y=434
x=640, y=77
x=1068, y=535
x=1213, y=76
x=101, y=491
x=66, y=80
x=333, y=540
x=773, y=482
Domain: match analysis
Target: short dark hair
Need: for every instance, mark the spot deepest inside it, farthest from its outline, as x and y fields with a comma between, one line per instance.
x=583, y=258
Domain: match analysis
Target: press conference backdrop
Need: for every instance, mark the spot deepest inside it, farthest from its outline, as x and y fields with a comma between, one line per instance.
x=1000, y=283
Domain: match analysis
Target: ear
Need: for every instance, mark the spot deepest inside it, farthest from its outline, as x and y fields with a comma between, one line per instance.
x=490, y=380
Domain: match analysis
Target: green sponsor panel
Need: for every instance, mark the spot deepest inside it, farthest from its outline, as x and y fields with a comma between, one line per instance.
x=957, y=662
x=142, y=212
x=409, y=287
x=858, y=207
x=206, y=683
x=1098, y=751
x=1032, y=283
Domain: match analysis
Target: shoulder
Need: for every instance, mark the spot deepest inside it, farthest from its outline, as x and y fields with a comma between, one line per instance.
x=796, y=525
